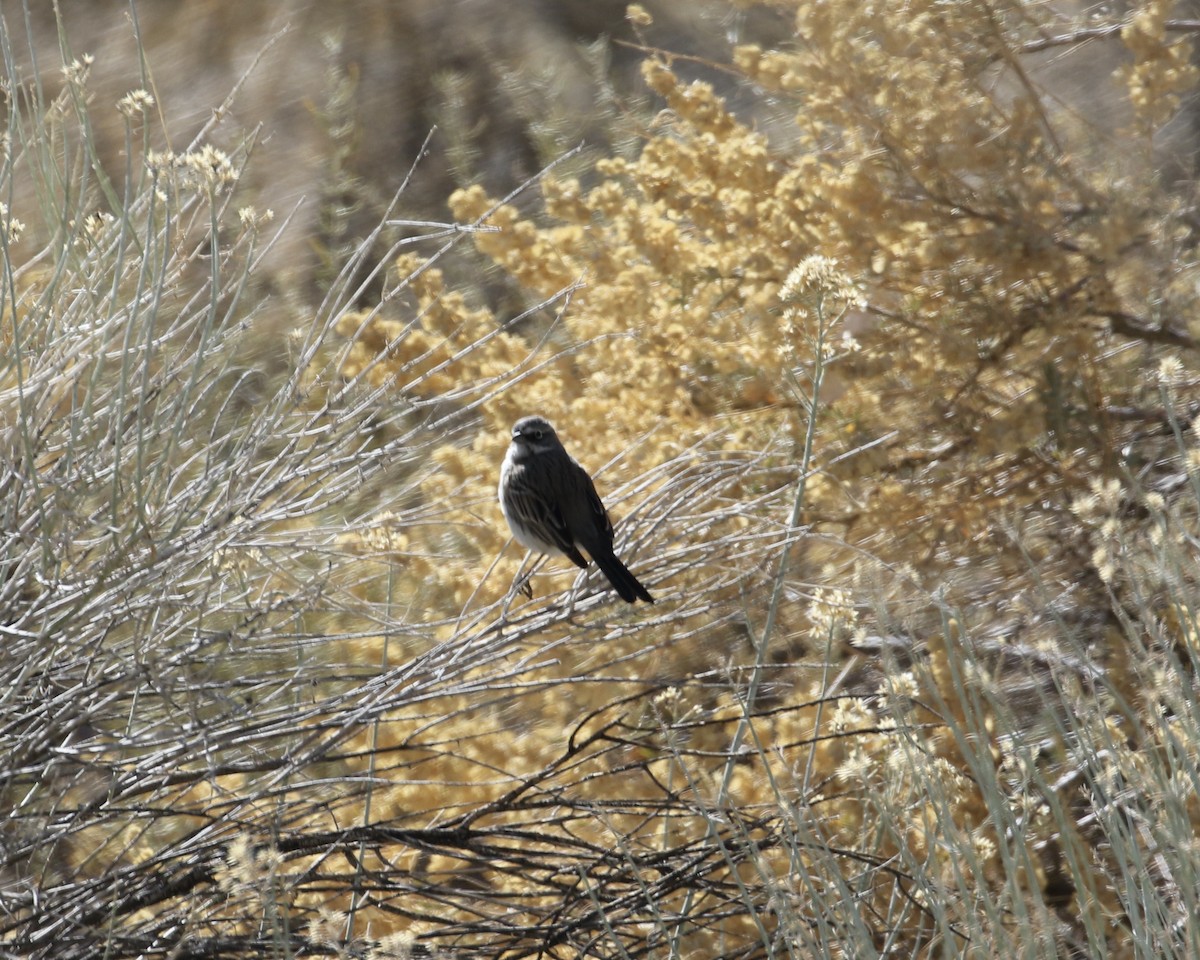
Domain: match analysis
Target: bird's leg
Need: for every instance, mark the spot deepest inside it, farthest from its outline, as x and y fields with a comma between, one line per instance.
x=521, y=584
x=519, y=581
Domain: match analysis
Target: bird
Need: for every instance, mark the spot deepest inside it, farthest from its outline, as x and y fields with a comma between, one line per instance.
x=552, y=507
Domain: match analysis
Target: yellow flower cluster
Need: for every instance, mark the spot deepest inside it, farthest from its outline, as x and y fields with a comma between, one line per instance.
x=990, y=262
x=1162, y=69
x=431, y=353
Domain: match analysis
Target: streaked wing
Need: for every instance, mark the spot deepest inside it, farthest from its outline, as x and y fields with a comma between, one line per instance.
x=585, y=519
x=603, y=521
x=536, y=513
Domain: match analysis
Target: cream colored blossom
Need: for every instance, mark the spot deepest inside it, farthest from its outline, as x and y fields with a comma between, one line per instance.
x=819, y=276
x=135, y=102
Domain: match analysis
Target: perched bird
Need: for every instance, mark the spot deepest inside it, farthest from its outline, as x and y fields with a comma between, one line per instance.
x=551, y=505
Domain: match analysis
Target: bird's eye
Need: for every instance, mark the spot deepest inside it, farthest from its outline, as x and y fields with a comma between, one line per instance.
x=536, y=434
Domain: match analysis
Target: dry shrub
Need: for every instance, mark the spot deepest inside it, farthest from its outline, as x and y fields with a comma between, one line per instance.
x=920, y=675
x=1020, y=275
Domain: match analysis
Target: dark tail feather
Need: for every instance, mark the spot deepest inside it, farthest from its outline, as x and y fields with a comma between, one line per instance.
x=624, y=582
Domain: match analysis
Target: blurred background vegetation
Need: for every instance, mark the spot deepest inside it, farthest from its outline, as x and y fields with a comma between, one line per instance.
x=875, y=322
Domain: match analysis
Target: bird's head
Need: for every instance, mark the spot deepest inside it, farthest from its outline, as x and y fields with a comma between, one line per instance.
x=535, y=434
